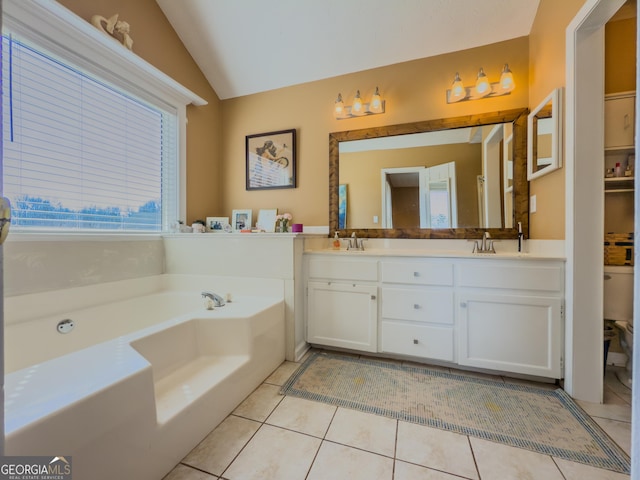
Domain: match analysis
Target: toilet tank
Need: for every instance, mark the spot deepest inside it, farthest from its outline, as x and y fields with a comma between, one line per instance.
x=618, y=293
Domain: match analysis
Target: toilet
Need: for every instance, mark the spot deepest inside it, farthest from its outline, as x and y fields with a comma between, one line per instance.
x=618, y=306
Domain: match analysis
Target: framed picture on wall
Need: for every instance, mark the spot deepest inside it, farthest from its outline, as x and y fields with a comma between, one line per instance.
x=271, y=160
x=241, y=219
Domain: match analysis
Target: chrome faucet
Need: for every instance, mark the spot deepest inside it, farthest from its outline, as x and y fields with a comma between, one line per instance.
x=218, y=301
x=355, y=243
x=485, y=245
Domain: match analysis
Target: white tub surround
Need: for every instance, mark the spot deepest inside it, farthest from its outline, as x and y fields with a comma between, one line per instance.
x=500, y=312
x=45, y=262
x=257, y=255
x=165, y=372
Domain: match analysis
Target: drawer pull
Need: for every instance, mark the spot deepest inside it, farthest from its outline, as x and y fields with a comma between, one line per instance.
x=416, y=274
x=415, y=341
x=463, y=304
x=416, y=306
x=373, y=297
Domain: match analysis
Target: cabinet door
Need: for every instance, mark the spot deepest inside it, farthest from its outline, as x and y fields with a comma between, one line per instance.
x=511, y=333
x=619, y=122
x=343, y=315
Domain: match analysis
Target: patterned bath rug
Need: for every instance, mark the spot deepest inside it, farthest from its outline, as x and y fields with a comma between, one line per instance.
x=546, y=421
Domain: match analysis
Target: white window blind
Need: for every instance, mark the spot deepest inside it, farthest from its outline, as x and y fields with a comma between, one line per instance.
x=81, y=154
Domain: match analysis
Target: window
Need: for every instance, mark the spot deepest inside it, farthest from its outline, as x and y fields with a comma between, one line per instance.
x=79, y=154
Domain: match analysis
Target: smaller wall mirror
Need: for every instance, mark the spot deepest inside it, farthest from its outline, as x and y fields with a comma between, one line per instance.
x=544, y=131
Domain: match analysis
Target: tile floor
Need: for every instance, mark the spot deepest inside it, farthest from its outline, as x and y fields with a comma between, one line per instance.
x=270, y=436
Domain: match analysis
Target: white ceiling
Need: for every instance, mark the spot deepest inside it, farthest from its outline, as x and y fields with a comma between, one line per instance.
x=251, y=46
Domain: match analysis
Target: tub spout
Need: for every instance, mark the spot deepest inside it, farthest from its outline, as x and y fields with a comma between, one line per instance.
x=218, y=301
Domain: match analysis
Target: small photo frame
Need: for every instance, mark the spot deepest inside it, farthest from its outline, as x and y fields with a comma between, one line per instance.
x=217, y=224
x=241, y=220
x=271, y=160
x=267, y=220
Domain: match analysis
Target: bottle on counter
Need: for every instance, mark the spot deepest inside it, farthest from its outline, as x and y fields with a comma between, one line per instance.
x=336, y=242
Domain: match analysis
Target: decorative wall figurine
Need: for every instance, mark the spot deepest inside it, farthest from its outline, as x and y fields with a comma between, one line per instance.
x=118, y=29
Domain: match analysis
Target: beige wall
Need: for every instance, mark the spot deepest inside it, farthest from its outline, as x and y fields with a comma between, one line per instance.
x=620, y=56
x=157, y=43
x=547, y=45
x=412, y=90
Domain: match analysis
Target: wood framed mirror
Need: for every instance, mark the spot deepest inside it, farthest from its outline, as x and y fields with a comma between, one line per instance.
x=463, y=176
x=544, y=130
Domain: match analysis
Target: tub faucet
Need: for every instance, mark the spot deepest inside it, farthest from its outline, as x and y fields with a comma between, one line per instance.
x=218, y=301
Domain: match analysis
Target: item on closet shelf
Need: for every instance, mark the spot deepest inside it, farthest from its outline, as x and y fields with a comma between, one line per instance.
x=610, y=173
x=618, y=170
x=336, y=242
x=618, y=248
x=628, y=171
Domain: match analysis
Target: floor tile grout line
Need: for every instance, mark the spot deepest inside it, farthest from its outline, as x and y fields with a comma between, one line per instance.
x=558, y=467
x=432, y=469
x=262, y=423
x=315, y=456
x=473, y=455
x=196, y=468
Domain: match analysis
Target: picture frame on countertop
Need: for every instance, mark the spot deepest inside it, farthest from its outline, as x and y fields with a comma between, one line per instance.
x=217, y=224
x=241, y=219
x=267, y=220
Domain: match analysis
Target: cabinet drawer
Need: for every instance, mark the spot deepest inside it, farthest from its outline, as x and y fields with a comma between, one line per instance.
x=418, y=340
x=520, y=277
x=418, y=273
x=343, y=269
x=434, y=305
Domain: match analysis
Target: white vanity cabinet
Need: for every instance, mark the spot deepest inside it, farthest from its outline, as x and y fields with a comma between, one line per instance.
x=342, y=303
x=491, y=312
x=417, y=308
x=510, y=316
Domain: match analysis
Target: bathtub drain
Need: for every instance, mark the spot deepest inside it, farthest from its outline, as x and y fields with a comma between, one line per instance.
x=65, y=326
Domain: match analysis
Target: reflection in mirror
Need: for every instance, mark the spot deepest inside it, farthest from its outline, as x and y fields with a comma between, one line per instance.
x=544, y=131
x=451, y=178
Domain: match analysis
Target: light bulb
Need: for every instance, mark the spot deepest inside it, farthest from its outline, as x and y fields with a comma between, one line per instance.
x=506, y=80
x=339, y=107
x=357, y=107
x=458, y=92
x=375, y=106
x=483, y=87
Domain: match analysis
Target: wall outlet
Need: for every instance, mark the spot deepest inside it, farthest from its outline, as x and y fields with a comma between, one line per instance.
x=375, y=219
x=532, y=204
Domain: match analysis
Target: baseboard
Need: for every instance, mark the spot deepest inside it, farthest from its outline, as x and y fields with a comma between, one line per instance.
x=301, y=349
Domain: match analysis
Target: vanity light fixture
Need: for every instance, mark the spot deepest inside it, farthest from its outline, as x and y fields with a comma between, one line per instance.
x=358, y=109
x=483, y=88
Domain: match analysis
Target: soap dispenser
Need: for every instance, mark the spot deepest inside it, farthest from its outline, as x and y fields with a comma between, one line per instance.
x=336, y=242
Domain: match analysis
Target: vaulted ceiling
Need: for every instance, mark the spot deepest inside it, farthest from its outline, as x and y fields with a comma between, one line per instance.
x=251, y=46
